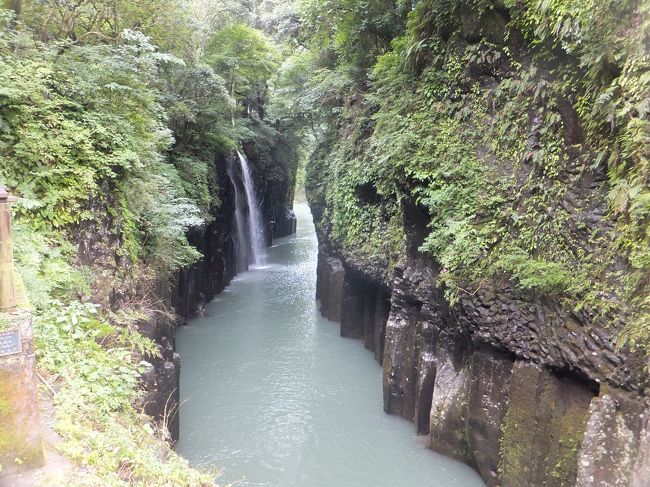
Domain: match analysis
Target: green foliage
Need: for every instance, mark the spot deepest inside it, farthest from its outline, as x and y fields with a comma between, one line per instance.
x=535, y=275
x=289, y=98
x=95, y=361
x=613, y=85
x=43, y=263
x=195, y=181
x=68, y=342
x=197, y=104
x=495, y=146
x=98, y=21
x=163, y=216
x=58, y=147
x=89, y=123
x=280, y=19
x=355, y=31
x=245, y=58
x=98, y=378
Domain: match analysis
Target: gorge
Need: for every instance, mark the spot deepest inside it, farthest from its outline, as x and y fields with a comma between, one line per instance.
x=273, y=396
x=463, y=299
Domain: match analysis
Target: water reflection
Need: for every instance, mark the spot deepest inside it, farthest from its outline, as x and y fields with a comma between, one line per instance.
x=274, y=397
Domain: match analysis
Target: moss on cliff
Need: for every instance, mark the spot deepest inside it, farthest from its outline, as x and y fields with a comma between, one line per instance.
x=562, y=462
x=543, y=428
x=520, y=133
x=518, y=446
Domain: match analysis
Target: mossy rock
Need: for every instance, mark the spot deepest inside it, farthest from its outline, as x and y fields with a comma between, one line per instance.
x=543, y=428
x=21, y=446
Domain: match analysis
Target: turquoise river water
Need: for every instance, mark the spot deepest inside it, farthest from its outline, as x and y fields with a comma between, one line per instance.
x=274, y=397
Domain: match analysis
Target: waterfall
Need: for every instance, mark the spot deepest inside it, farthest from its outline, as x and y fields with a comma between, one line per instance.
x=248, y=219
x=256, y=230
x=242, y=242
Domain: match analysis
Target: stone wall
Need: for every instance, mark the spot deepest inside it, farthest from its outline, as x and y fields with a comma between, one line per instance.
x=21, y=443
x=521, y=392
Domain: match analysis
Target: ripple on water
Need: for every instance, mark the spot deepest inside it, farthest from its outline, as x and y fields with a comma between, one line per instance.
x=273, y=395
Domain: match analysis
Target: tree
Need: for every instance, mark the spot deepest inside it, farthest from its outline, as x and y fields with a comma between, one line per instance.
x=166, y=22
x=247, y=60
x=356, y=31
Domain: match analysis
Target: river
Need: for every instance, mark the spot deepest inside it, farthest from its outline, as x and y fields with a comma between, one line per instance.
x=273, y=396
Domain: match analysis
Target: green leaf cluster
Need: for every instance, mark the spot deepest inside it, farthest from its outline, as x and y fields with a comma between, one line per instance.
x=520, y=129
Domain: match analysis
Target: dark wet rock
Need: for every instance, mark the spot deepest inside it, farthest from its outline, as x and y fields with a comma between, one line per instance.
x=490, y=25
x=400, y=362
x=330, y=290
x=609, y=452
x=352, y=310
x=527, y=389
x=198, y=284
x=274, y=162
x=449, y=404
x=489, y=391
x=283, y=223
x=543, y=427
x=382, y=311
x=506, y=383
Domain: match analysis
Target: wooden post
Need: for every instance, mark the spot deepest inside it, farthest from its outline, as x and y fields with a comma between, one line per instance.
x=7, y=290
x=15, y=5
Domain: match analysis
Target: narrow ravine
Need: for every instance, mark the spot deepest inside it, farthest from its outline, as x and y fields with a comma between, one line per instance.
x=274, y=397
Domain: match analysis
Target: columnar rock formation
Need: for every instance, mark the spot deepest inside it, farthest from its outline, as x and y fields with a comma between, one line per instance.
x=522, y=392
x=473, y=181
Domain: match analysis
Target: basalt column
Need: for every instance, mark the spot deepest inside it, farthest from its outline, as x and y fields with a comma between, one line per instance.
x=516, y=420
x=360, y=306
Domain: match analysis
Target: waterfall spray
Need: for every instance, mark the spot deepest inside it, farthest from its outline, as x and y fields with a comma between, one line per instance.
x=242, y=241
x=255, y=228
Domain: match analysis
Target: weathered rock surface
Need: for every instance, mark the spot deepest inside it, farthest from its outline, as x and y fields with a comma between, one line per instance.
x=641, y=471
x=611, y=443
x=487, y=405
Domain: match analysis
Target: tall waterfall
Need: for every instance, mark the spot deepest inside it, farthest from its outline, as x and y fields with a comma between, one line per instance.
x=242, y=242
x=256, y=230
x=248, y=219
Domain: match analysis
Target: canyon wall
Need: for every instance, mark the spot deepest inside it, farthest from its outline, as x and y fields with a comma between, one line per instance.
x=490, y=383
x=173, y=302
x=197, y=285
x=472, y=184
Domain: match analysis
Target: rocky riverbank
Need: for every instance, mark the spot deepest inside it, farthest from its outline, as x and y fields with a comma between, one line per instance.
x=520, y=390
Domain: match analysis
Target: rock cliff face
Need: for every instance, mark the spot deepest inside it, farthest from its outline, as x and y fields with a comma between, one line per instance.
x=506, y=280
x=198, y=284
x=521, y=391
